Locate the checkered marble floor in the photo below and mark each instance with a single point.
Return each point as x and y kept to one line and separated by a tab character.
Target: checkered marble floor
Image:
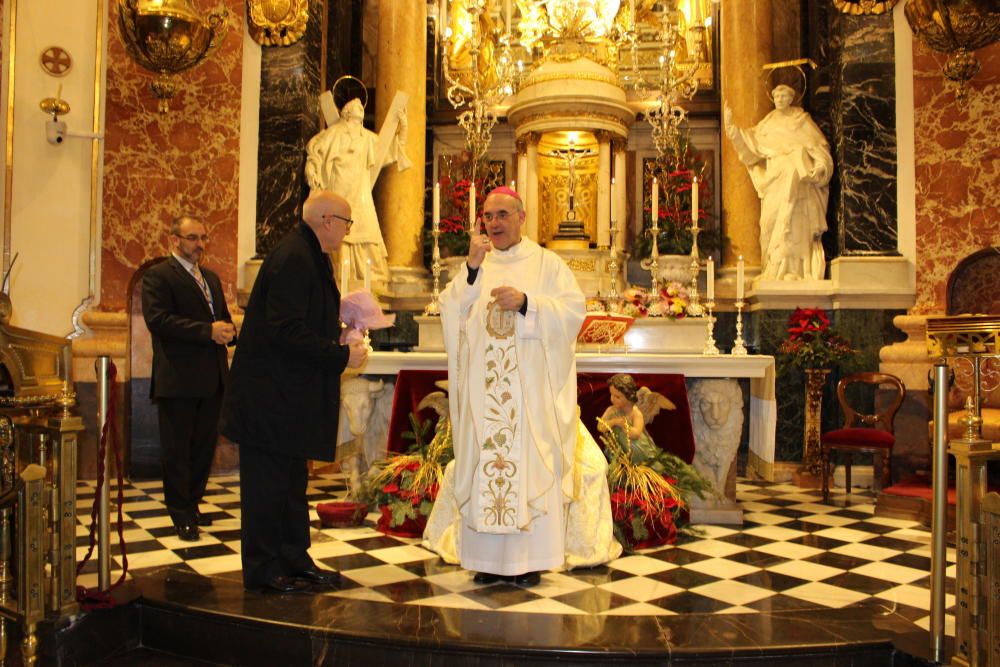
793	553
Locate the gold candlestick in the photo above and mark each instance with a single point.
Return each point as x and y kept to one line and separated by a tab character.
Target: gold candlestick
434	307
739	349
710	348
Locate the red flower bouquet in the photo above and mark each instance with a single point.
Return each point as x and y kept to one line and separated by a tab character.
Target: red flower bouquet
406	486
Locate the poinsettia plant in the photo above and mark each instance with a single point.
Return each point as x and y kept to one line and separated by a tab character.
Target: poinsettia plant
454	228
812	342
675	178
406	485
647	498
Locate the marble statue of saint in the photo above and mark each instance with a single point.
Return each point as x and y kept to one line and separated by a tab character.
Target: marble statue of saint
790	166
346	158
717	419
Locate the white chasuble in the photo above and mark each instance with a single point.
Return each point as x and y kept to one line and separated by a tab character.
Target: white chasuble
512	399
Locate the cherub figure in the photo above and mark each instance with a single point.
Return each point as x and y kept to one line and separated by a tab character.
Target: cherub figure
631	409
438	400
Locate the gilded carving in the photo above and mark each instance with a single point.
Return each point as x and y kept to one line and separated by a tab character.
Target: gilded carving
579	265
579	120
575	76
864	6
277	22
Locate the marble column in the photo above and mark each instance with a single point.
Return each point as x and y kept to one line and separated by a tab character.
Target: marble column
522	166
852	98
401	64
603	189
290	84
746	43
620	207
531	191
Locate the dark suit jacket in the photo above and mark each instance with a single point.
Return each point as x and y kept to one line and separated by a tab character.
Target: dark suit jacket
186	363
284	394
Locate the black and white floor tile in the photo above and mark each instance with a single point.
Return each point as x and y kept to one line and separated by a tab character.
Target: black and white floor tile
793	553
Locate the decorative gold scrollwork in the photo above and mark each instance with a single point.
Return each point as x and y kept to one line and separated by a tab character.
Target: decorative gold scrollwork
864	6
277	22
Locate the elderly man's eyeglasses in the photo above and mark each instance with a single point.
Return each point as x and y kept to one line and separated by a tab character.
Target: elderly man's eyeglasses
347	221
193	237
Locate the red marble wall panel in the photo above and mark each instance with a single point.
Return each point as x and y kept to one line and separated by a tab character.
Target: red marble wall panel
157	166
957	170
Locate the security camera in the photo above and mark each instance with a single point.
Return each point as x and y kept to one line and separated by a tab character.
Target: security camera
55	131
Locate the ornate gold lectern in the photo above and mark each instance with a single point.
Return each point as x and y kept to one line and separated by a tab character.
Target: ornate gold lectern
38	448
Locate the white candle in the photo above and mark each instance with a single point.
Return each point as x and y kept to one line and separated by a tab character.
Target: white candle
436	207
694	200
631	8
507	15
513	186
472	209
345	271
368	275
739	279
656	204
710	271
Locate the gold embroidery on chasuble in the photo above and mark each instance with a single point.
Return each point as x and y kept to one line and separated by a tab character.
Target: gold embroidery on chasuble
499	470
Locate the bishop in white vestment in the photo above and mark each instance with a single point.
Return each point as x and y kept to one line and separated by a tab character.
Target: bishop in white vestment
510	320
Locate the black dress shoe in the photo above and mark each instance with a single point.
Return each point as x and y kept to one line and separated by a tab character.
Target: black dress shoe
486	578
202	519
318	577
528	579
282	584
187	532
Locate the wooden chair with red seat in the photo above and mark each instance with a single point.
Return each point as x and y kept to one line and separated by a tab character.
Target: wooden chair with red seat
862	433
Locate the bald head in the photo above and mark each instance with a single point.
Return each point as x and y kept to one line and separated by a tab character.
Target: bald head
329	216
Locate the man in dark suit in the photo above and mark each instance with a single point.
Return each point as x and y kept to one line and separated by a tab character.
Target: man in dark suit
185	310
283	401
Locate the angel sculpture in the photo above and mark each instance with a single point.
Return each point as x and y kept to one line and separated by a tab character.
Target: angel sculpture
631	409
649	486
438	401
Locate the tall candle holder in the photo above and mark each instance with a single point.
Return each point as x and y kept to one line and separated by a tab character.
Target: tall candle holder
434	307
710	348
654	258
694	308
739	347
613	268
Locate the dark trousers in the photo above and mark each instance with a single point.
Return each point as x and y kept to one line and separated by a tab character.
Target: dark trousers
275	515
189	429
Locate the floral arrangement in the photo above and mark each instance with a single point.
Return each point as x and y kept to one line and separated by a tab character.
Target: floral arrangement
671	301
812	342
647	499
406	485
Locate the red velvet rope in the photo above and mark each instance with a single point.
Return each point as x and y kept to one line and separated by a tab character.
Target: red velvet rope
94	598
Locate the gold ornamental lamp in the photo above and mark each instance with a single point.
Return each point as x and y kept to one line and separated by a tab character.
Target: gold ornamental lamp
956	28
167	37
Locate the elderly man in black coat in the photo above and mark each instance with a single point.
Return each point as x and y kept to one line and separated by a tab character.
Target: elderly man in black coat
185	309
283	399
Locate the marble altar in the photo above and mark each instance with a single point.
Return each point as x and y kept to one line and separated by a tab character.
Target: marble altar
758	369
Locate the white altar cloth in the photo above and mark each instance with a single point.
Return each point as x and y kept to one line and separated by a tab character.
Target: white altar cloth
759	369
